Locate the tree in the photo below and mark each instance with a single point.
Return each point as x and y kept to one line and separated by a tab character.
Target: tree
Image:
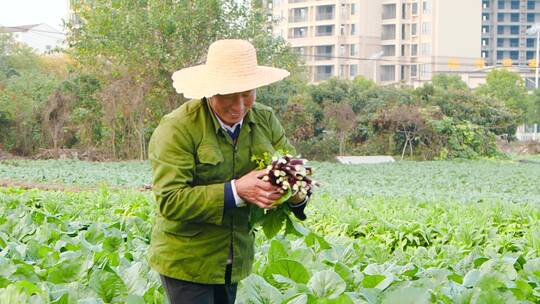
25	85
133	47
15	58
449	82
507	87
533	113
341	119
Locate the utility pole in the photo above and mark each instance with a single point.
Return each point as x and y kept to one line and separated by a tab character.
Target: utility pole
535	29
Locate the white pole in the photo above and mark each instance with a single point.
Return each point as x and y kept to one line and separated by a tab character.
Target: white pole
537	55
375	71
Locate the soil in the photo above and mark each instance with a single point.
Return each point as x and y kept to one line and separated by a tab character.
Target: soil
519	147
78	154
61	187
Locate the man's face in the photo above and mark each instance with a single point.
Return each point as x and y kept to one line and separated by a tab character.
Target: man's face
231	108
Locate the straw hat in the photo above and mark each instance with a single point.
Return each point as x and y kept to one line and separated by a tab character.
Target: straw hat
231	67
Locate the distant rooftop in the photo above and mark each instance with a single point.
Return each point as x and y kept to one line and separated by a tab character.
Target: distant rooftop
24	28
18	28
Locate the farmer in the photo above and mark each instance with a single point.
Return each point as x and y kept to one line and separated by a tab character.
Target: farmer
203	179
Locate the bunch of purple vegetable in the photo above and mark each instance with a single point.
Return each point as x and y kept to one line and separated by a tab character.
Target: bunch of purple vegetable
291	174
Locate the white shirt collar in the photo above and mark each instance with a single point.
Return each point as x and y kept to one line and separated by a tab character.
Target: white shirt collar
225	126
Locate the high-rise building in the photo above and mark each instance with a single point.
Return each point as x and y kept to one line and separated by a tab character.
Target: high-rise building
504	26
334	38
422	37
389	41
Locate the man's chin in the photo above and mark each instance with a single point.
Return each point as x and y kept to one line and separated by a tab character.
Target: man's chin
234	119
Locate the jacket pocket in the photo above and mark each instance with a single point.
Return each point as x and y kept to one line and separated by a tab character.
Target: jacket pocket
209	155
207	169
181	228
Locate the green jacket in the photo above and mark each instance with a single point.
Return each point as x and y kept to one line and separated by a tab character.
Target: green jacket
192	158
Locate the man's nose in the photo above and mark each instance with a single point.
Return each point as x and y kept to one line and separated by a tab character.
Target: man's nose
238	104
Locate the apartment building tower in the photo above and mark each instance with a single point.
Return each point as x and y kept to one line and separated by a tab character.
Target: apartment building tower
389	41
333	37
423	37
504	26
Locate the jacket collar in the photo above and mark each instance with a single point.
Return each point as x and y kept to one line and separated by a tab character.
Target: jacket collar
249	118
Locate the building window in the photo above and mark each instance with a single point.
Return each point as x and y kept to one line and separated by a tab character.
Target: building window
404	11
514	17
325	30
414	70
344	11
514	30
426	7
353	29
323	72
426	28
500	42
389	11
514	42
485	3
388	32
514	55
530	5
342	51
485	42
485	29
425	49
388	73
530	42
514	4
484	54
531	17
354	70
325	12
414	9
426	70
324	52
300	50
530	55
299	32
389	50
500	55
403	50
342	70
354	50
500	29
485	17
299	14
342	29
353	9
403	32
413	29
500	4
500	17
414	49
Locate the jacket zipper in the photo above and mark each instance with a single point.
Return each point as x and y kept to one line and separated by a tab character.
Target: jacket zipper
235	148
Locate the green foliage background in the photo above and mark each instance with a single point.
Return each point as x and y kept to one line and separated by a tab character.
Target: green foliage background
111	86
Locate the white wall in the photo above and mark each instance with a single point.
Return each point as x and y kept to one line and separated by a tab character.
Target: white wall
42	38
458	28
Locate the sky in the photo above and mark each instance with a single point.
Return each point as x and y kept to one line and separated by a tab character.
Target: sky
23	12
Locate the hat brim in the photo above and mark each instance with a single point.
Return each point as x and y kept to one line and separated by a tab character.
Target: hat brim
197	82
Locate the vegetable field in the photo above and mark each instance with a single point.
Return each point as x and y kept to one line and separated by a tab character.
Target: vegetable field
408	232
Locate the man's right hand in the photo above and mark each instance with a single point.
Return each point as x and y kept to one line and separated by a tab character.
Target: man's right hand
253	190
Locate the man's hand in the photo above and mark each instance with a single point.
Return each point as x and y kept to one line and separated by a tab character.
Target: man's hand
253	190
